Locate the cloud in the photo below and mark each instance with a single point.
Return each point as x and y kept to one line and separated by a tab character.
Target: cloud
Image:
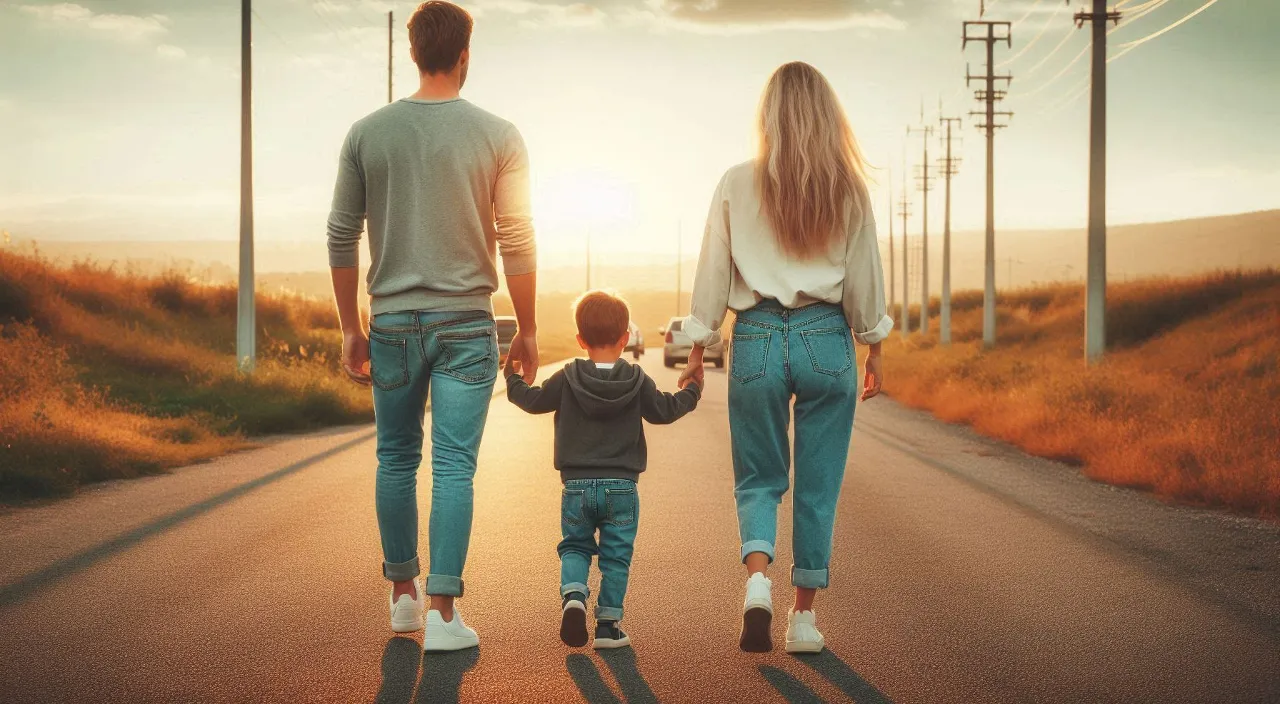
171	52
122	27
538	14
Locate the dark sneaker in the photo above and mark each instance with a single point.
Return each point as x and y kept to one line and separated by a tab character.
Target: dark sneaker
573	620
608	635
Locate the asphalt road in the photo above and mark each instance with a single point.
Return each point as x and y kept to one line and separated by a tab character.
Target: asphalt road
963	571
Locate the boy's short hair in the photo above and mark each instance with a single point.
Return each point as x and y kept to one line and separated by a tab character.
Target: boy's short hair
602	318
439	32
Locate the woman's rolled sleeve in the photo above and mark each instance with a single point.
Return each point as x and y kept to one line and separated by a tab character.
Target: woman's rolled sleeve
863	300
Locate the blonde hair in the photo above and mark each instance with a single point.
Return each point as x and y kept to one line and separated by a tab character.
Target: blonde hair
810	170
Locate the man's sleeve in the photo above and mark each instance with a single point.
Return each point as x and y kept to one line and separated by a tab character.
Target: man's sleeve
512	212
536	399
346	217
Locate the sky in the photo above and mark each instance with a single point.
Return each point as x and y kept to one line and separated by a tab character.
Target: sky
119	119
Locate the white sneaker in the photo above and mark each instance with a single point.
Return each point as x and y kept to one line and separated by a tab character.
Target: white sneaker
406	612
757	615
448	635
803	635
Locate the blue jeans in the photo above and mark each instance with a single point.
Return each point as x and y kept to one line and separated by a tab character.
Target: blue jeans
453	359
611	506
778	354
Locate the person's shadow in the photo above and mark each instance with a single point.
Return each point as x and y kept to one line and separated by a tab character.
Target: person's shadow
622	663
441	673
833	670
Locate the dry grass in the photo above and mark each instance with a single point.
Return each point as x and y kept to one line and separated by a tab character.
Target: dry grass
106	374
1186	403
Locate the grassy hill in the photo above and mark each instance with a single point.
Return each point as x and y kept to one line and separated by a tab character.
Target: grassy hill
1186	403
106	375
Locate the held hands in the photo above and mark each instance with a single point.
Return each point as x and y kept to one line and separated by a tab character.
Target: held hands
874	378
355	356
693	371
523	357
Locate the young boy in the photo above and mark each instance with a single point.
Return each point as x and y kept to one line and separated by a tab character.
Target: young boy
599	404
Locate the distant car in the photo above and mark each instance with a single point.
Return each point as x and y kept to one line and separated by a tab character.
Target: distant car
635	343
678	345
506	326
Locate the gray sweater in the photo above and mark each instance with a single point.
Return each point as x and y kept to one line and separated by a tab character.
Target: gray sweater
444	187
599	414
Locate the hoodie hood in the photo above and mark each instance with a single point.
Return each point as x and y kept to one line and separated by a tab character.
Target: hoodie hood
604	393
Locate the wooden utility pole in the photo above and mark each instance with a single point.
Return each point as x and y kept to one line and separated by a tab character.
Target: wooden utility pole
893	263
390	63
990	96
925	185
950	166
245	317
1095	324
904	209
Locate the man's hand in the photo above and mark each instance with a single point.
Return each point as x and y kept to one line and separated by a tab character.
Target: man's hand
693	371
524	355
874	378
355	356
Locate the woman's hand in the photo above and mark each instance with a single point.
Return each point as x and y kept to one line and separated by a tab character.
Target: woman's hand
693	370
875	377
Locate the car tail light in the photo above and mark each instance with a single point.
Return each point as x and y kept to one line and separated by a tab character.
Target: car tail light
669	337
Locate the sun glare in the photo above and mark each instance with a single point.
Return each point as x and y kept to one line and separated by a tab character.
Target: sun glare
569	203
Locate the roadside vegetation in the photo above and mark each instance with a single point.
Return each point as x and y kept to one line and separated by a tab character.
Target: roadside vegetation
1186	403
105	374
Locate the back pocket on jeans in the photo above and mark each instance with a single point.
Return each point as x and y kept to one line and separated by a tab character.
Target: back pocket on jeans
469	355
750	354
572	510
620	506
388	362
830	350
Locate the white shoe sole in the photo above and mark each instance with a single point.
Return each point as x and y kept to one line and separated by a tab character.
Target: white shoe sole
406	625
610	643
443	644
805	646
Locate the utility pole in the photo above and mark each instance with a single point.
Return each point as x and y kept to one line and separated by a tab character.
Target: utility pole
904	209
1095	326
893	263
950	166
926	185
245	318
989	95
390	63
679	263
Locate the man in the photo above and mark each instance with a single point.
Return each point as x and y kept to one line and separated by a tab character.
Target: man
442	185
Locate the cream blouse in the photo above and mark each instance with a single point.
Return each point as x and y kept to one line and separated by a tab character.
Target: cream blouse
741	264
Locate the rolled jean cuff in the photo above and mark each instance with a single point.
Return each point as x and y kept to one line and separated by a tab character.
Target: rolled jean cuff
575	587
401	571
608	613
809	579
444	585
763	546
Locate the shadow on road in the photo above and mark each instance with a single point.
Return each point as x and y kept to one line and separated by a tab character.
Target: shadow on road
441	673
622	663
11	594
833	670
400	660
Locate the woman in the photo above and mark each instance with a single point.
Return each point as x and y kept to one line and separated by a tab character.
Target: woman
791	246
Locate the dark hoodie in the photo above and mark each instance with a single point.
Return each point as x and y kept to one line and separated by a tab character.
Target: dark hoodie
599	433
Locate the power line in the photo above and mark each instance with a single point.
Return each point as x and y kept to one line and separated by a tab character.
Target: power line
1045	59
1027	14
1130	46
1060	73
1045	28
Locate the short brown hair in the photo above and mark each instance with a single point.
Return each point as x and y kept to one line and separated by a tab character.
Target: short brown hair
439	32
602	318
